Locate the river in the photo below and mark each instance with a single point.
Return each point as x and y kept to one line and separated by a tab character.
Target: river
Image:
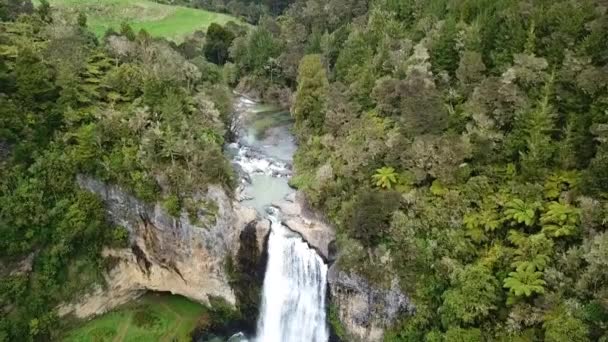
293	297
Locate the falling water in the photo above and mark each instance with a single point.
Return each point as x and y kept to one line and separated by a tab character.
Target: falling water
293	298
293	302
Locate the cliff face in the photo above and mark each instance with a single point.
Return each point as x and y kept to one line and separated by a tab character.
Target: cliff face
167	253
296	216
174	255
364	310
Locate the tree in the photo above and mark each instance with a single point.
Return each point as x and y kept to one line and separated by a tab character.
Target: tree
525	282
414	102
82	20
385	177
539	126
372	214
519	211
458	334
561	325
127	31
444	53
595	178
251	53
470	70
560	219
312	96
473	295
44	11
217	43
12	9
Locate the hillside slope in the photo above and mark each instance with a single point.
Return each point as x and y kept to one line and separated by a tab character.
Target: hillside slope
171	22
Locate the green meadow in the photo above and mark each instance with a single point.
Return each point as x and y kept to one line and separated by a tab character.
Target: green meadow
172	22
154	317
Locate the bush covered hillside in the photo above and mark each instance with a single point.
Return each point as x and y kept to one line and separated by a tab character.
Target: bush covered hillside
129	110
461	147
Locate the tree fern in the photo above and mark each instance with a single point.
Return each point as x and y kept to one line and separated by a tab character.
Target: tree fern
559	182
525	282
520	212
560	220
385	177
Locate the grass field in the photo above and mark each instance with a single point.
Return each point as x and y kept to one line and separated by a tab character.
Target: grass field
172	22
154	317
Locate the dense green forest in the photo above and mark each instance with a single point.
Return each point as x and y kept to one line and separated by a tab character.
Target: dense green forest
460	147
128	109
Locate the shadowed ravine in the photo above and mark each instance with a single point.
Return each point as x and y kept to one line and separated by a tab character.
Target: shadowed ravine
294	291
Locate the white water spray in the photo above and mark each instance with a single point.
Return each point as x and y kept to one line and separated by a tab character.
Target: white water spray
293	297
293	302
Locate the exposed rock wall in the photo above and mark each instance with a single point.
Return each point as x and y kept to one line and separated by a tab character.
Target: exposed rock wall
296	216
168	254
365	311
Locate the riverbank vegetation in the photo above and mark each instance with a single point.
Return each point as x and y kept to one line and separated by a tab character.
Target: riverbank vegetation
459	147
128	109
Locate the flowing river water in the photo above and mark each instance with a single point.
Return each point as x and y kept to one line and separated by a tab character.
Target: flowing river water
293	296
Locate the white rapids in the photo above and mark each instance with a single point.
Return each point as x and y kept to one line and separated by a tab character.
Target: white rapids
293	296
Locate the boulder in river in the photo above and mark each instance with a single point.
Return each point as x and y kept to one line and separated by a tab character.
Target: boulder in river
296	216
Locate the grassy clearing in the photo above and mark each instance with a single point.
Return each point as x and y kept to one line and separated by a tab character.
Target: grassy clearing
154	317
171	22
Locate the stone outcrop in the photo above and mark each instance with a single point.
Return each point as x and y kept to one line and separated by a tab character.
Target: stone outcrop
167	253
296	216
364	310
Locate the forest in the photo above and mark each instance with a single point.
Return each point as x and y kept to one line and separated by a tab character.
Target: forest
127	109
460	148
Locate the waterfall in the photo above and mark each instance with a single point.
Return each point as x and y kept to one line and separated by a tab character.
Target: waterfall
293	302
293	295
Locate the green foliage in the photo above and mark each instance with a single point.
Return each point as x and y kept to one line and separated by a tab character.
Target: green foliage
74	109
127	31
385	177
560	220
145	318
371	216
335	323
312	96
458	334
444	53
561	325
492	118
473	296
558	183
520	212
82	20
525	282
173	206
217	42
253	52
176	23
152	317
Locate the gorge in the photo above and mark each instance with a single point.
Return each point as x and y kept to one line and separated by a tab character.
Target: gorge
187	256
294	291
